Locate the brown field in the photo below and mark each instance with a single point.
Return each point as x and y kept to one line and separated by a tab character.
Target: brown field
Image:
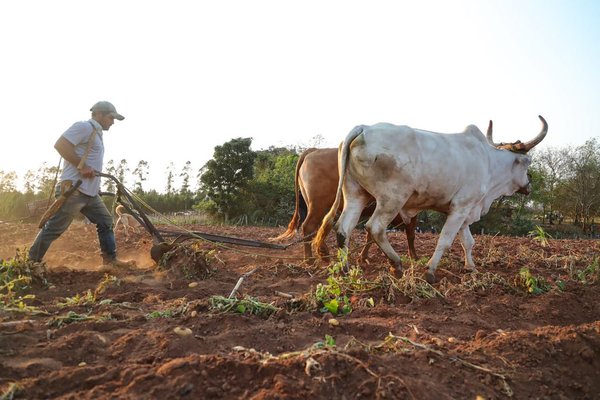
479	335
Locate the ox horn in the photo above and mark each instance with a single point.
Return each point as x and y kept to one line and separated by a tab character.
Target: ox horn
489	135
531	144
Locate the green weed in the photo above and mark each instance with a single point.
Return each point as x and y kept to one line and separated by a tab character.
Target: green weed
160	314
540	235
532	284
107	281
334	295
79	300
241	306
590	274
16	277
72	316
328	342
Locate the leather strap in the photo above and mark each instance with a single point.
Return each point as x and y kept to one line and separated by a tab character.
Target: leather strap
88	148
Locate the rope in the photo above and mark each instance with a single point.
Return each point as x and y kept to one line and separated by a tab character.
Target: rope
171	223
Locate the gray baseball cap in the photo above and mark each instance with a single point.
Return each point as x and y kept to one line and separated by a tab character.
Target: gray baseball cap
107	107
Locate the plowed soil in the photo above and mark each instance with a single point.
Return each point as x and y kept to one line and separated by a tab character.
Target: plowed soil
479	335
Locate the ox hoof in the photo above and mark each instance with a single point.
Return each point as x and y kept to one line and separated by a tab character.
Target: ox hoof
430	277
310	261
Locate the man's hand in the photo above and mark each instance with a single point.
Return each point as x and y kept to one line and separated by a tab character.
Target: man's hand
87	172
67	150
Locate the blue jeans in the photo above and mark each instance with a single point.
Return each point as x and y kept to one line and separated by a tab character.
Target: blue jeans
90	206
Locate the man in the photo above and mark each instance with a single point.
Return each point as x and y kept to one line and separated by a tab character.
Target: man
82	148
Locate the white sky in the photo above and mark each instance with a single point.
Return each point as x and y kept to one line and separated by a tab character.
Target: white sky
191	75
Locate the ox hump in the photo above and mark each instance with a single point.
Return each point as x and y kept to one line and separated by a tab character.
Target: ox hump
474	132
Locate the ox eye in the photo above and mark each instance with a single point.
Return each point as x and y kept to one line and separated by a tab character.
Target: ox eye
526	161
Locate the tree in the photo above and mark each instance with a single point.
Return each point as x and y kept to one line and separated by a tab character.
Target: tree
225	178
581	188
185	192
272	189
121	170
185	177
550	166
109	184
8	181
170	178
46	179
315	141
29	182
140	173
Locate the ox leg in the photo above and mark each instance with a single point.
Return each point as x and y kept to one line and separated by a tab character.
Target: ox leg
346	223
453	223
308	257
377	226
309	228
355	200
348	220
468	242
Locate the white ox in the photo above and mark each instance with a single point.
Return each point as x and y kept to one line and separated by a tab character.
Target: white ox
408	170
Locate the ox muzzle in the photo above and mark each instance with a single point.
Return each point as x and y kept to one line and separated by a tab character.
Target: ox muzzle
527	188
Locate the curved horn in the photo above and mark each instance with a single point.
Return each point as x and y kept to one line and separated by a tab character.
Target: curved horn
489	135
531	144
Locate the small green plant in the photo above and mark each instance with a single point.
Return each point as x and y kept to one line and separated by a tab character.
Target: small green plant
561	285
540	235
160	314
16	276
79	300
328	342
72	316
532	284
107	281
590	274
247	304
333	295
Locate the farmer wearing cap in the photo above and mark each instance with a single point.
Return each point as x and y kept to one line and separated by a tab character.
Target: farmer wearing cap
82	148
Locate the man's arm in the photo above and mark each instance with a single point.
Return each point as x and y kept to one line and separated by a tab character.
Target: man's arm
67	150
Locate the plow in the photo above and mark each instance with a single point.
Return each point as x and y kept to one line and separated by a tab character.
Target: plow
165	240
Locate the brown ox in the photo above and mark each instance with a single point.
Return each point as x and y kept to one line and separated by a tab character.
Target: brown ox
315	184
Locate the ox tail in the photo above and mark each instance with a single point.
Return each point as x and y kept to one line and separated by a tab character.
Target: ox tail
301	208
327	224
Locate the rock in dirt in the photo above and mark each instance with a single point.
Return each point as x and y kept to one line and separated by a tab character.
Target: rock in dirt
182	331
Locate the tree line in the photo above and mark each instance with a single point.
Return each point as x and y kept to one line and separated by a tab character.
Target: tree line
240	185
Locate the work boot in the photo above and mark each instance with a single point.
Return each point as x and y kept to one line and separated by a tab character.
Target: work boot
114	265
38	271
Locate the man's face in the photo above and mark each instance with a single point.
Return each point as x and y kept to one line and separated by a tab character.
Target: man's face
106	121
